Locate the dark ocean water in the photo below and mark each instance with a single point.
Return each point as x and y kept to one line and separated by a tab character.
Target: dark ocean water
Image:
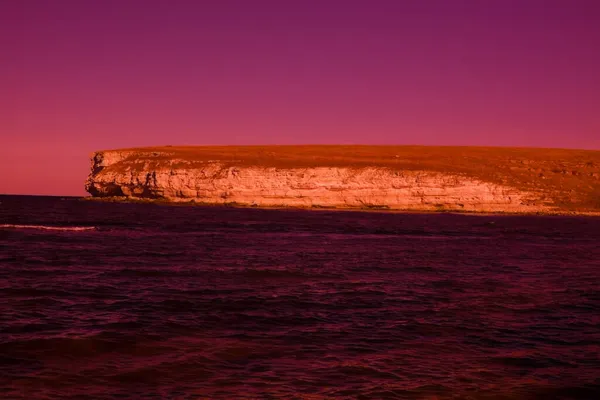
197	302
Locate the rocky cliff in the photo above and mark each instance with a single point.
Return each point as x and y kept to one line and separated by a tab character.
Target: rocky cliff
402	178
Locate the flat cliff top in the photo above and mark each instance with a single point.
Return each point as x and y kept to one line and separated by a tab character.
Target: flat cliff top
570	177
407	157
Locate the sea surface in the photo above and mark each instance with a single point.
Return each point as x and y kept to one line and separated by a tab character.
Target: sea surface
107	300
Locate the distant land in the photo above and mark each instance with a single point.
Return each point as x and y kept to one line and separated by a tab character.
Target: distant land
406	178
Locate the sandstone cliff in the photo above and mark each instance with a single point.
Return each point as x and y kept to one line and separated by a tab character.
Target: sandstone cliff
379	177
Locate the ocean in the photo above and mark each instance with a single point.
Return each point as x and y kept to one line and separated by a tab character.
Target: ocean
112	300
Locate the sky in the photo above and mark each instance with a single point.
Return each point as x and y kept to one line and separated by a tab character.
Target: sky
78	76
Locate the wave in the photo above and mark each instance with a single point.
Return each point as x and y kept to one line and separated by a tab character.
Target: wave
47	227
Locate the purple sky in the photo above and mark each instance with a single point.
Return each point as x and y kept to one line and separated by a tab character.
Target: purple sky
83	75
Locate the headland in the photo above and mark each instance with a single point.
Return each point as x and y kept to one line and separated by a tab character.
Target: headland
394	178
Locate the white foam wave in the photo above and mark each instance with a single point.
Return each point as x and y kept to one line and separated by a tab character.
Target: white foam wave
48	228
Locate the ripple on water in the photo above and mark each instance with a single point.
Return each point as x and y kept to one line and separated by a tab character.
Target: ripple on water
223	303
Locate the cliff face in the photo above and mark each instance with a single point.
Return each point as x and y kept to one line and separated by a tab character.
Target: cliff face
403	178
161	175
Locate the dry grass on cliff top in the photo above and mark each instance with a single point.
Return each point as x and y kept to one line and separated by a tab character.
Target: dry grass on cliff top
569	178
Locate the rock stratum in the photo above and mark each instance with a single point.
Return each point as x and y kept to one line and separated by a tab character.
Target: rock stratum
470	179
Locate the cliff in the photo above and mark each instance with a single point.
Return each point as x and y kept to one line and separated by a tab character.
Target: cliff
378	177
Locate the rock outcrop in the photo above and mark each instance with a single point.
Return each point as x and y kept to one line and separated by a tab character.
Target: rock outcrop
271	177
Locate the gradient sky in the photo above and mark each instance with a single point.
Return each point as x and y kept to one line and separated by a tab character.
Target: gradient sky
83	75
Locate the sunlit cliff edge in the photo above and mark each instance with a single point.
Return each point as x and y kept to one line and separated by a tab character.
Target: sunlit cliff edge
420	178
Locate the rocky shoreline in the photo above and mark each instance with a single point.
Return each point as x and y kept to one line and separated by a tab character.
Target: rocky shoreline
365	181
193	203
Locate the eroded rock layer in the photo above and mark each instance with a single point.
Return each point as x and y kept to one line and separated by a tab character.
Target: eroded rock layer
162	174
